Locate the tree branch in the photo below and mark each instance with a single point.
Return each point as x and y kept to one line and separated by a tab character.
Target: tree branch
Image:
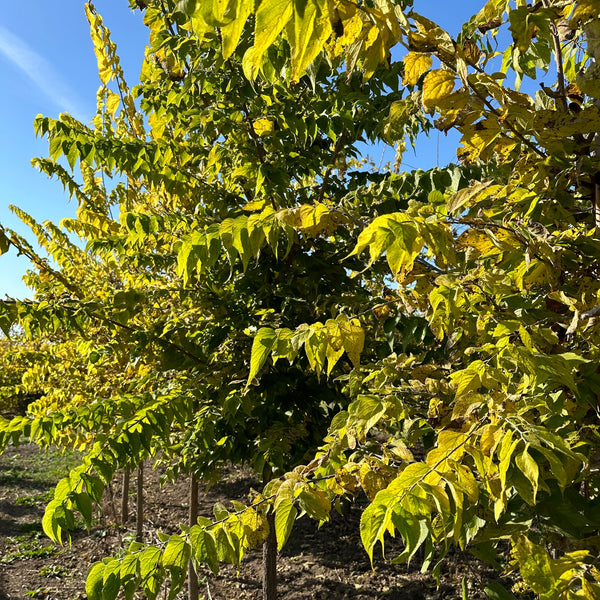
336	150
560	74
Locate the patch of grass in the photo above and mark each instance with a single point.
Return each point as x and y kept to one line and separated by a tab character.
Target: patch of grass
40	592
37	470
53	571
35	500
24	547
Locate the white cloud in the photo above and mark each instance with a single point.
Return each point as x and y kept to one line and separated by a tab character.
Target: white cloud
39	71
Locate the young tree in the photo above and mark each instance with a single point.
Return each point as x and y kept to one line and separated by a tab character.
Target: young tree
447	317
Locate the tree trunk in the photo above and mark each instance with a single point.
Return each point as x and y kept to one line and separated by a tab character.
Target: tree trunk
125	496
193	517
270	560
140	503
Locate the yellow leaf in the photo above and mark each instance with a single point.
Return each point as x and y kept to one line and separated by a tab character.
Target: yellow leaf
231	32
255	528
353	339
254	205
315	502
557	125
271	17
529	468
415	64
312	27
100	40
478	241
263	126
586	9
492	11
157	125
479	140
112	103
334	349
348	478
374	478
311	219
438	85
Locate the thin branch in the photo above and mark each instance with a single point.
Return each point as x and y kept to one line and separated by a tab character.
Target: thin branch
336	150
506	122
260	151
105	320
596	179
491	107
560	73
41	264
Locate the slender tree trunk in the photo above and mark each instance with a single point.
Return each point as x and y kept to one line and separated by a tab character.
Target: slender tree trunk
140	503
125	496
111	500
596	180
193	517
270	560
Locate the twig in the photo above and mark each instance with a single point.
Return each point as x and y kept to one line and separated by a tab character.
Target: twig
41	263
330	167
104	319
560	74
260	151
596	179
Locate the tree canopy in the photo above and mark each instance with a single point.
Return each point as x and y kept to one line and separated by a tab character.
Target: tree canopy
246	287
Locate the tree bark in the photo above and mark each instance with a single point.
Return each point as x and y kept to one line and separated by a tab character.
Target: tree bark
193	517
270	560
596	180
125	496
140	503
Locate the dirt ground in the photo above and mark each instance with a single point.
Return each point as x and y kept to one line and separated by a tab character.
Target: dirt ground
316	564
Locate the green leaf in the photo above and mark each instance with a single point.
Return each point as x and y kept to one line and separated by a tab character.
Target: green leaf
129	567
177	553
83	503
263	343
187	6
271	17
526	25
495	591
232	32
4	243
50	523
311	28
204	548
285	517
111	581
378	517
414	532
94	581
367	410
535	565
226	545
469	379
149	561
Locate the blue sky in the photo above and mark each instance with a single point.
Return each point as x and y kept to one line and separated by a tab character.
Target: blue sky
47	66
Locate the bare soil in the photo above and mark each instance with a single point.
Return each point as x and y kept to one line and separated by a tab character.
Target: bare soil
325	563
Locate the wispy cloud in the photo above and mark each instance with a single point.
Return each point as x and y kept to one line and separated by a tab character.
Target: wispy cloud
39	71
